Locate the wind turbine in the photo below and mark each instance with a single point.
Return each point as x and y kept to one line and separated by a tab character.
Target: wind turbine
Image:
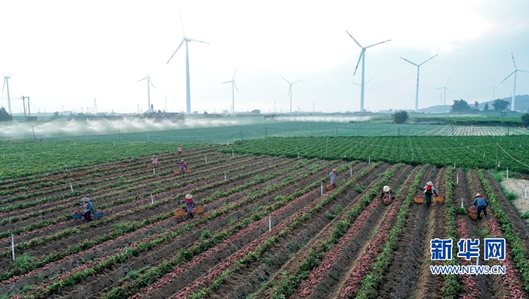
148	91
445	89
232	91
515	72
362	57
186	40
417	89
290	91
493	89
6	83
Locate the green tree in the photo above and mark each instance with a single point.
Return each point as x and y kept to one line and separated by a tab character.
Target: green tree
525	120
460	106
476	104
486	107
500	105
400	116
4	116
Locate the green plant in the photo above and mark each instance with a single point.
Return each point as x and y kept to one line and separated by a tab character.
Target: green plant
205	235
329	215
23	262
461	211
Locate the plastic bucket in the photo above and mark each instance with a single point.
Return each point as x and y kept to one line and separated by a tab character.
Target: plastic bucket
99	214
77	216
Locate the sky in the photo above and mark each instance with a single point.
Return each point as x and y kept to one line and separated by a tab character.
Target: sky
65	54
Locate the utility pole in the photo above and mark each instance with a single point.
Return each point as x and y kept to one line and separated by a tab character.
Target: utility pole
29	109
24	104
95	106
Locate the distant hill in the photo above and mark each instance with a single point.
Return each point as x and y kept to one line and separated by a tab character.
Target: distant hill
522	104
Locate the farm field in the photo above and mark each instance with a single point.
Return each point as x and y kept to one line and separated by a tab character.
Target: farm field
269	230
509	152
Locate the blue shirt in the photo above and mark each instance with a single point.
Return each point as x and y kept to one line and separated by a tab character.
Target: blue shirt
480	202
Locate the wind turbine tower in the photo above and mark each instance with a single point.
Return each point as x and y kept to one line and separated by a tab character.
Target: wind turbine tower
6	84
362	57
186	40
445	89
148	91
417	89
493	89
95	106
515	72
290	91
233	86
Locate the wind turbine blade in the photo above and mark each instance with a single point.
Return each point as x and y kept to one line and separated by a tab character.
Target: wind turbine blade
354	39
368	81
142	79
513	61
296	82
356	84
428	59
447	81
235	86
408	61
523	71
4	85
196	40
378	43
233	78
226	82
182	24
449	90
151	84
508	76
440	88
181	43
285	80
359	58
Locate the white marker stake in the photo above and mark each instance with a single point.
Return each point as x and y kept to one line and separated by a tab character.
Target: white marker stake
269	223
507	173
232	154
321	188
225	175
351	170
369	161
13	246
454	164
461	202
298	155
206	157
525	191
457	178
71	186
153	169
152	199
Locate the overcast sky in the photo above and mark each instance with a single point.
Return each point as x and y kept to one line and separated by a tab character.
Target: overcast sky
63	54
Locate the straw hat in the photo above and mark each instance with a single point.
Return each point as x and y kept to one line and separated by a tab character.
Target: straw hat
429	183
189	196
182	160
334	170
85	199
386	188
477	195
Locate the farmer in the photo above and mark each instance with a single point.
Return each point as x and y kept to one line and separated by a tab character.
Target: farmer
481	205
428	191
190	205
154	160
179	149
87	208
332	175
183	166
387	192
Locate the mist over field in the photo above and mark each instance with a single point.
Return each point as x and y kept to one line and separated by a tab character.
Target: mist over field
61	128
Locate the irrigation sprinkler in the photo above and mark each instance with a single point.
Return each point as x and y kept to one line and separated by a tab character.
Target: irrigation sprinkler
13	246
152	199
71	186
270	222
